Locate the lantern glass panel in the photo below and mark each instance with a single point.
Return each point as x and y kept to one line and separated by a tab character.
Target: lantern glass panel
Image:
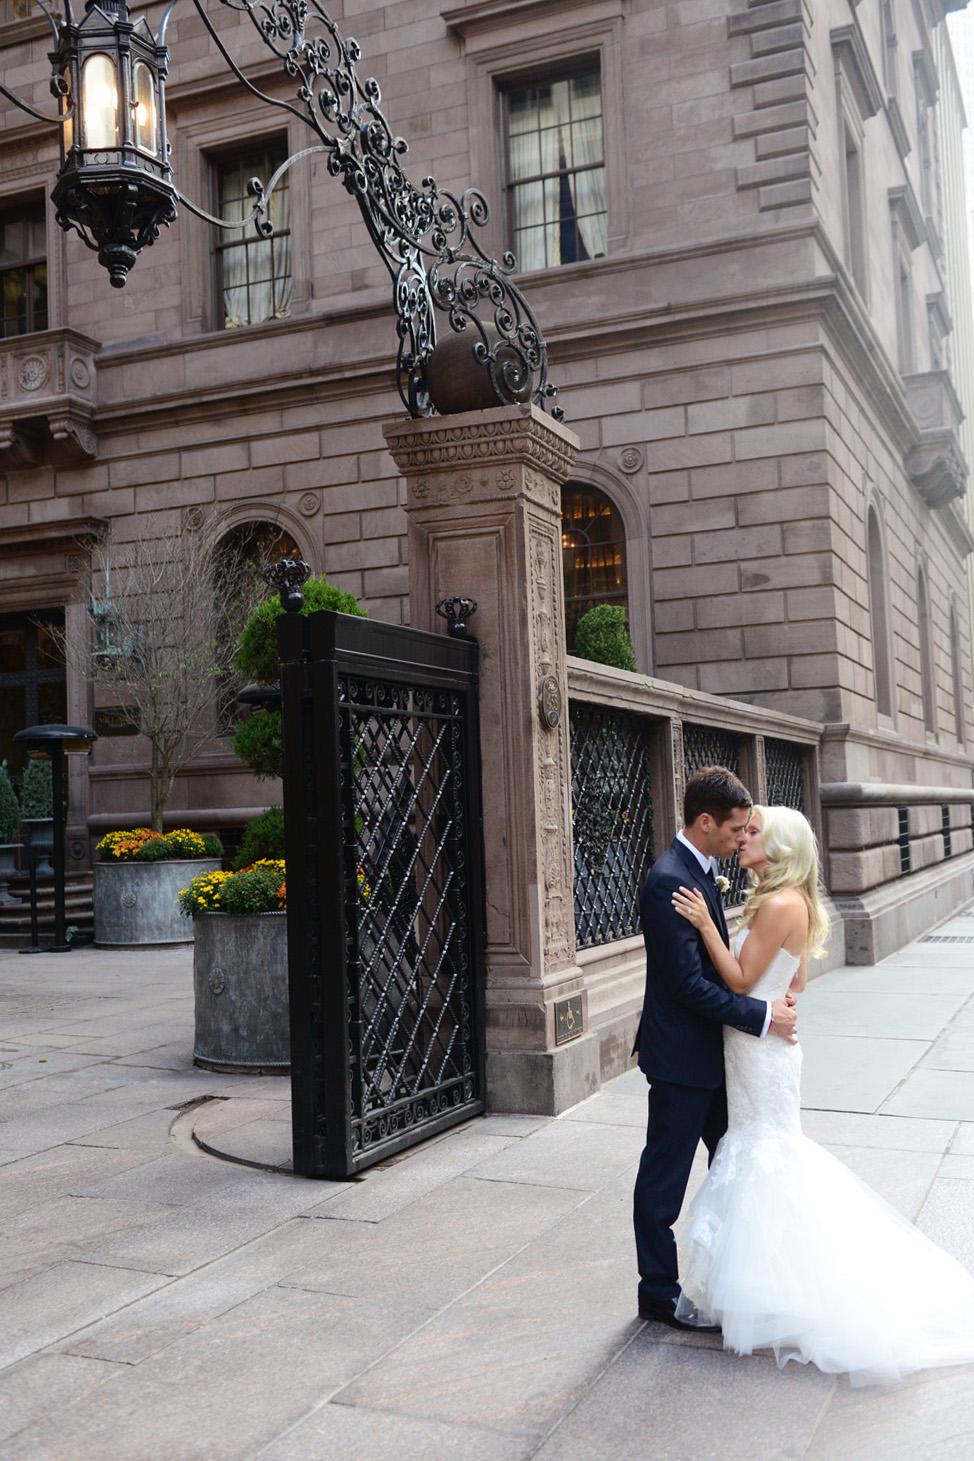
67	126
100	94
144	108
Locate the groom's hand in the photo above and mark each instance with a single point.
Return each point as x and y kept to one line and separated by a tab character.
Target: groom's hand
784	1019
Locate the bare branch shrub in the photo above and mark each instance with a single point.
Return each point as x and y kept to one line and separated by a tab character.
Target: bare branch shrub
166	617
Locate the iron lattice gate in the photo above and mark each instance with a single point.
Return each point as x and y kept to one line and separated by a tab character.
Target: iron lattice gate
385	887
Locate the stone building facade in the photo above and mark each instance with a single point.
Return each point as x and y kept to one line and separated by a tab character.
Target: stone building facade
738	225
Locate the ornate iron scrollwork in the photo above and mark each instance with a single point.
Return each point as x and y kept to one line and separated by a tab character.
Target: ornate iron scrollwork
288	576
456	612
426	236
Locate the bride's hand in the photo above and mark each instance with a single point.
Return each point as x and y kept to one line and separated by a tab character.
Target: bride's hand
691	903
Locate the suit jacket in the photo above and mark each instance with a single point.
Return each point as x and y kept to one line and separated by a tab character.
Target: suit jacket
680	1038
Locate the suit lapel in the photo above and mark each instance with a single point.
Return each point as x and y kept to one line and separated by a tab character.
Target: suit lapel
706	887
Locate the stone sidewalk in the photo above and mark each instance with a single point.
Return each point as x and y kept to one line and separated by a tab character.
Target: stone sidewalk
470	1301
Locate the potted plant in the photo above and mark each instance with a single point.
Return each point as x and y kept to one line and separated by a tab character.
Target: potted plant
37	814
240	968
137	876
9	827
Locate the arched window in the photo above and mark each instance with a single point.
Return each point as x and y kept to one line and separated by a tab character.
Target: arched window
879	615
593	552
239	562
927	682
956	665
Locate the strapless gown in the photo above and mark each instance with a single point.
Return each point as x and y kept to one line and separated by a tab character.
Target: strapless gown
789	1250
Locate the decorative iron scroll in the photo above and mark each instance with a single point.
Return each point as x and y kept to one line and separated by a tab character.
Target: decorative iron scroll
612	822
426	236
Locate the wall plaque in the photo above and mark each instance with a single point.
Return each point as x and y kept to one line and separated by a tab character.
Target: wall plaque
568	1019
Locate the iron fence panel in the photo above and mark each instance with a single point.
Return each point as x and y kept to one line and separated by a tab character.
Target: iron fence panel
784	773
612	820
385	929
707	745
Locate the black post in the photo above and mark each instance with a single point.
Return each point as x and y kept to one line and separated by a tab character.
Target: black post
35	947
60	945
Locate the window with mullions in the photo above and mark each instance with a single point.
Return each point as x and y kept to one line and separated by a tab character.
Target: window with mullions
23	271
253	273
556	170
593	551
32	679
11	10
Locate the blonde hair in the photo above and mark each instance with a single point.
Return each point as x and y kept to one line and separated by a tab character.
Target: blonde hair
792	852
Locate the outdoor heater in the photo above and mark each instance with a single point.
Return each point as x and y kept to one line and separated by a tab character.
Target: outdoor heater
55	742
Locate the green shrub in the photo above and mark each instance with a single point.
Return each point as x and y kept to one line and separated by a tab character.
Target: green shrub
9	808
263	838
37	789
603	636
257	741
257	651
212	846
255	891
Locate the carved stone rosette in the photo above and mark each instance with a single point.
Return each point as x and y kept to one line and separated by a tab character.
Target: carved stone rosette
48	393
483	499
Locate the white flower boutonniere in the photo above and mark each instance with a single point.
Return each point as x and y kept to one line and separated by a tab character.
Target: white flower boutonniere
722	883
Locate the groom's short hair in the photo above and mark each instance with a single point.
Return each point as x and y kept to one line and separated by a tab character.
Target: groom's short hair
715	790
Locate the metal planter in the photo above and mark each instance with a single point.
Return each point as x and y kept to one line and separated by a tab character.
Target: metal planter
241	994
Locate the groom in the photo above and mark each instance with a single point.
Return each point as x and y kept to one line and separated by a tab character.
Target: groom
680	1037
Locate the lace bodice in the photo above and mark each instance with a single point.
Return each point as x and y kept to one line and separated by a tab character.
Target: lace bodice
763	1075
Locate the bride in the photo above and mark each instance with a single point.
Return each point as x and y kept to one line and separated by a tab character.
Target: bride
788	1249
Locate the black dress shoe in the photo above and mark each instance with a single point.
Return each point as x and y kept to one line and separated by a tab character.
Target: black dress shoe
663	1311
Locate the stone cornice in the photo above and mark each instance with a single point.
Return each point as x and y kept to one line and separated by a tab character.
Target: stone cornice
70	530
485	15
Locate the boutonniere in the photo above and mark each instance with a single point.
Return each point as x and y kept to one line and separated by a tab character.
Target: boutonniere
722	883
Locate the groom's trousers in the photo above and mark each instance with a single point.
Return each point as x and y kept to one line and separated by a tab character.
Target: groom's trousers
679	1118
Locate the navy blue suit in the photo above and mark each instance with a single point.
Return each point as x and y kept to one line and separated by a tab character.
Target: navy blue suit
681	1052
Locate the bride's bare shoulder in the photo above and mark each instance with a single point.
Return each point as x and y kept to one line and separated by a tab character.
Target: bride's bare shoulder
784	908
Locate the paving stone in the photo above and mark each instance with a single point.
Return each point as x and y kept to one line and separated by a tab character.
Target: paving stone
902	1178
963	1143
477	1226
229	1388
345	1430
268	1143
947	1217
41	1309
889	1017
512	1352
682	1401
843	1073
220	1116
929	1093
926	1417
42	1383
894	1133
892	978
957	1166
612	1108
382	1191
33	1179
568	1154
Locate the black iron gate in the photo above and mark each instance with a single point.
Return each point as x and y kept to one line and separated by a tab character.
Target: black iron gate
385	887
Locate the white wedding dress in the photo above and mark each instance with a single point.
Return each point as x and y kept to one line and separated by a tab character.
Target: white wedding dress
789	1250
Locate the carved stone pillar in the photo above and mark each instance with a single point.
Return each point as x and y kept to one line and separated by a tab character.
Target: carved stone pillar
484	509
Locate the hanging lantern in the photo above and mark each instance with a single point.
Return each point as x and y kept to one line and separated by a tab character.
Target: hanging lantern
115	184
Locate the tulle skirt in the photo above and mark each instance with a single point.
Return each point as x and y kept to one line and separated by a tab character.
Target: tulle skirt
790	1251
